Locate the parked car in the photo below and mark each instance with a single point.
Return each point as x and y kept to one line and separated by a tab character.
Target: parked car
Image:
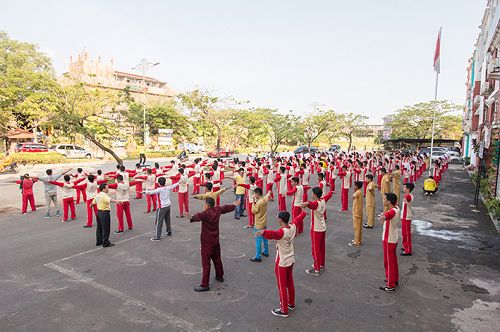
191	147
31	147
334	148
452	159
305	149
71	151
221	153
427	150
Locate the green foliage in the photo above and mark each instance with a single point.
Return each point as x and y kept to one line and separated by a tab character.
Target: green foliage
493	206
351	123
154	154
39	157
416	121
165	116
27	80
319	123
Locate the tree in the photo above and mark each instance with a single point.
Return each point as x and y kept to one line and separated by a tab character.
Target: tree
93	113
350	124
416	121
27	81
315	124
213	110
157	117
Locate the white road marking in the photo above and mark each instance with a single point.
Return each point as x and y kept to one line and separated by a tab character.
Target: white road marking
178	322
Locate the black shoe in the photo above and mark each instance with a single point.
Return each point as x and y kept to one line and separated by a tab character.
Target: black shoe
201	288
169	234
397	282
405	254
387	289
130	229
243	215
108	245
265	255
291	307
366	226
118	232
279	313
219	279
402	249
87	226
257	260
237	218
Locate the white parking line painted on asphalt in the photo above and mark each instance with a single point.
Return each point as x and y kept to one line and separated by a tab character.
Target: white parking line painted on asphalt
169	318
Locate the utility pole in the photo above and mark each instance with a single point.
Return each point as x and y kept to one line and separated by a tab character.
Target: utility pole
144	66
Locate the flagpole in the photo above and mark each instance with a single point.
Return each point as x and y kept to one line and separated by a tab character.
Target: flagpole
433	120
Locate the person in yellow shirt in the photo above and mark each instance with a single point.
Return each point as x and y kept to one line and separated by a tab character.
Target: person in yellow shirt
240	194
357	213
210	193
259	209
385	186
103	216
430	186
370	202
396	180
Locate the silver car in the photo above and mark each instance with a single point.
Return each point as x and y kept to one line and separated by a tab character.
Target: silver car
71	151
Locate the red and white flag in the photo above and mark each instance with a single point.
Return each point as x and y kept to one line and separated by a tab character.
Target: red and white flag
437	54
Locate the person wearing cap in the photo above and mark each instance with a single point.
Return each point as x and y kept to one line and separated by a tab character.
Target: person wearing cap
285	258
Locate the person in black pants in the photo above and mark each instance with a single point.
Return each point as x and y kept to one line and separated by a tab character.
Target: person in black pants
103	216
142	156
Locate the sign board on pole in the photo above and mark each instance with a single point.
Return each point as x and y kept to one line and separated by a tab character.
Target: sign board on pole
481	150
165	137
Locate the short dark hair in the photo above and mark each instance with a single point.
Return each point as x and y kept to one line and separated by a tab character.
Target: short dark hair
369	176
258	191
119	177
321	175
383	170
162	181
358	184
67	177
122	168
241	169
102	186
284	216
317	191
79	170
252	179
181	170
391	197
99	172
295	179
91	178
282	169
48	172
209	186
210	202
410	186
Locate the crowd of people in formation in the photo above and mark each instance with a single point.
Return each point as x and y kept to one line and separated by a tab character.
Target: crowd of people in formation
256	182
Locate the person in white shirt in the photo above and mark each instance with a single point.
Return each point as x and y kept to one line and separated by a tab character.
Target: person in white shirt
163	213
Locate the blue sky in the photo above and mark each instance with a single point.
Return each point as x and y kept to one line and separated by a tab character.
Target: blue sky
364	56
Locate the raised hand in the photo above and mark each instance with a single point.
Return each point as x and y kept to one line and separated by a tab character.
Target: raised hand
258	233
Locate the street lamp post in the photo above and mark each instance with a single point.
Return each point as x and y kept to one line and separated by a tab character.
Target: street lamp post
144	66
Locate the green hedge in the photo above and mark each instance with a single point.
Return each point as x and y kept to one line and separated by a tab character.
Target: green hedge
154	154
39	157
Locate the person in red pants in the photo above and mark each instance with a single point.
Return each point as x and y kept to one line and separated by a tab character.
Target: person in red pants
390	242
285	258
209	238
26	186
80	192
318	229
122	195
251	199
406	216
297	192
183	192
67	194
269	181
281	179
150	184
345	183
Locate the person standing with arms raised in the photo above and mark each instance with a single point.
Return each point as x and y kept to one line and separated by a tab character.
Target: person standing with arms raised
163	213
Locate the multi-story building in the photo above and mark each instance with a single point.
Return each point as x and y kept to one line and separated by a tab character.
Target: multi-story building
481	120
95	73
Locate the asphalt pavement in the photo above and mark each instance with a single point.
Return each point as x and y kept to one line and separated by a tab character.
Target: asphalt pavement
53	278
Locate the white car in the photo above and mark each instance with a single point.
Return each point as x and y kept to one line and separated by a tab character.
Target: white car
191	147
71	151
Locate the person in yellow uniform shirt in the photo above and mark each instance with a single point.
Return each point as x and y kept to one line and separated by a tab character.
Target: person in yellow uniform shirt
259	209
370	202
396	180
357	213
430	186
210	193
240	194
385	185
103	216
